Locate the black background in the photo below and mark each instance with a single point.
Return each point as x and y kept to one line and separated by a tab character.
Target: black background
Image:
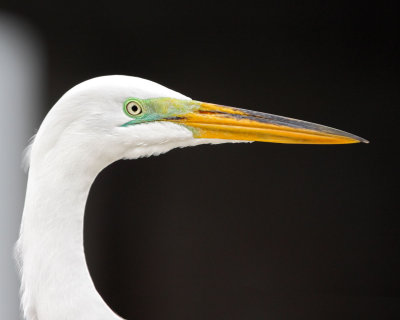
244	231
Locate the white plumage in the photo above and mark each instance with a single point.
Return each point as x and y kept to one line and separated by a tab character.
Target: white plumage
80	136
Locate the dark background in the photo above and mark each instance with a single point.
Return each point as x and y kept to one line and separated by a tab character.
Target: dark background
248	231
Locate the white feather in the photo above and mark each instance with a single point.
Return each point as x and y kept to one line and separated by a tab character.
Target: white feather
80	136
26	158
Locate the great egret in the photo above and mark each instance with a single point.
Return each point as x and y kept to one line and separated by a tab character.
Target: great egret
94	124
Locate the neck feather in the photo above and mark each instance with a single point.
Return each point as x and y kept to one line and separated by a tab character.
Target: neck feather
56	283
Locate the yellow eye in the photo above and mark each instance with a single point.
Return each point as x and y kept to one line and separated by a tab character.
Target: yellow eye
133	108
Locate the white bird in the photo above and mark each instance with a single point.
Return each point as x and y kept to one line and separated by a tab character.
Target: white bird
94	124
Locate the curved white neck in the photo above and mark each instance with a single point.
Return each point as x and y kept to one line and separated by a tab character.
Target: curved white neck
56	283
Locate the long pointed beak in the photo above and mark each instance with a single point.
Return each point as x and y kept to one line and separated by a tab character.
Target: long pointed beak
213	121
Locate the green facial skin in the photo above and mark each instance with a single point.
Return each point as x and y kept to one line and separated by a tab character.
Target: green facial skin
159	109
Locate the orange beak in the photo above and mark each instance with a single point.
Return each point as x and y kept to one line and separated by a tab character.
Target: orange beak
211	121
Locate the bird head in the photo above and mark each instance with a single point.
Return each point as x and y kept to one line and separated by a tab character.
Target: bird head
129	117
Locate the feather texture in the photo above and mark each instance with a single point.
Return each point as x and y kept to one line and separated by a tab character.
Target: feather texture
81	135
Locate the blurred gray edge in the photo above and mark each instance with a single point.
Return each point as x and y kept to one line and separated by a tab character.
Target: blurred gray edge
21	94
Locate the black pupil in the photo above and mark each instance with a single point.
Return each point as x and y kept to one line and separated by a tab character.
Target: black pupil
134	108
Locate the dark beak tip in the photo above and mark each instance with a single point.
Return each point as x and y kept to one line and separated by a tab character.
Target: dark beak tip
362	140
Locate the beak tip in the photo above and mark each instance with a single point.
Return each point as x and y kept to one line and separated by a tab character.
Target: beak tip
362	140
